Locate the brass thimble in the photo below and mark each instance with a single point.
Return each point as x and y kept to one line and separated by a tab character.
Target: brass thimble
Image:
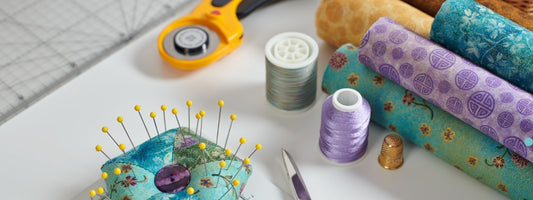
391	152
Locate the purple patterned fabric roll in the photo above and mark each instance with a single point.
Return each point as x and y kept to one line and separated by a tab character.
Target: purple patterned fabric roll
470	93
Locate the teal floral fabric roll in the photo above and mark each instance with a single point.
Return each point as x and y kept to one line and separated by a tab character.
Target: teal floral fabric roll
486	39
431	128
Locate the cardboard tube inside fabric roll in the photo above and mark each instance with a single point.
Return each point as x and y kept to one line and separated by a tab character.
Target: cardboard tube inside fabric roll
342	21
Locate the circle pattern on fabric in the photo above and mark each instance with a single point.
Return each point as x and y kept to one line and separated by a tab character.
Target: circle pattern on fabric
423	83
489	131
526	125
524	106
389	72
398	36
516	144
421	40
379	48
505	119
455	105
493	82
365	39
466	79
406	70
441	59
366	61
381	28
481	104
397	53
506	97
419	53
444	86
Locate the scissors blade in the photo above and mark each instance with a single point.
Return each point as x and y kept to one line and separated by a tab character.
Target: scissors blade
298	187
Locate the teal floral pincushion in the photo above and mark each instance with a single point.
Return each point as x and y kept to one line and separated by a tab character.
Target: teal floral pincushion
178	151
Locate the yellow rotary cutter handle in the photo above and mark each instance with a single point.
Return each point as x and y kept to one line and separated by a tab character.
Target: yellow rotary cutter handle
211	31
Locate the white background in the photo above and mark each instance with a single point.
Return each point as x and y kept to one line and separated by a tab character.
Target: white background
47	151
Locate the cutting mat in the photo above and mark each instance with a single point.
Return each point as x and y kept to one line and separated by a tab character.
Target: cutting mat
45	43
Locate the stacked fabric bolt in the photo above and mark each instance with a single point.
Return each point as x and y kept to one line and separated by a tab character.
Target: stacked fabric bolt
503	8
486	39
430	127
524	5
468	92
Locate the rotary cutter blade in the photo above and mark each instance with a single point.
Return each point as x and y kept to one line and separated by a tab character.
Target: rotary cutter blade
211	31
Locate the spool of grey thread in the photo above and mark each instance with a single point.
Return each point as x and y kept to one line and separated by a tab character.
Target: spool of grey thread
291	60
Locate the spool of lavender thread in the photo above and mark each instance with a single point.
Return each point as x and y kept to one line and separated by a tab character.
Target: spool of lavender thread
344	126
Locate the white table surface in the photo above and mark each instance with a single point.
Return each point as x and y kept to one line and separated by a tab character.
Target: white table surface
47	151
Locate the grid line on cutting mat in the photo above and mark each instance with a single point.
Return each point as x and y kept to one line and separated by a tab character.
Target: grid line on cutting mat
44	43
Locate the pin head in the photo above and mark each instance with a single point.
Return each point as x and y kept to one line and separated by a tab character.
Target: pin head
202	113
122	147
189	103
222	164
198	116
202	146
233	117
220	103
120	119
92	193
227	152
137	108
105	129
100	190
242	140
98	148
117	171
190	190
246	161
163	107
258	146
236	182
104	175
174	111
152	114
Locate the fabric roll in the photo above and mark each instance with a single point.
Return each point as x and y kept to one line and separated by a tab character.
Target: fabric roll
429	7
524	5
343	21
487	39
431	128
505	9
470	93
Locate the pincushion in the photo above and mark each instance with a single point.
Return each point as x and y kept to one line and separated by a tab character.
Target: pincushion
164	166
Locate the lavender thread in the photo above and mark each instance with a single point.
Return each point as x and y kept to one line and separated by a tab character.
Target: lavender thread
344	135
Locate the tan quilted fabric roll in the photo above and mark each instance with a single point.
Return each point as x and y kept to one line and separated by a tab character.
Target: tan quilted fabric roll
431	7
346	21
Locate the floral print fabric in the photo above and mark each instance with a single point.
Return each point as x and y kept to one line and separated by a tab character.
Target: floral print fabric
435	130
136	180
470	93
486	39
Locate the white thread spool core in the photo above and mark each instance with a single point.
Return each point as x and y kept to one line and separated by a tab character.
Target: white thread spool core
347	100
291	50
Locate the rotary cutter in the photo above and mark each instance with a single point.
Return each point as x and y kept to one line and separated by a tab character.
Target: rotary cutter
211	31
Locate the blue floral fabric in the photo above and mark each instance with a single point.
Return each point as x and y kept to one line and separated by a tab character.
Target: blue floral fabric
486	39
430	127
140	167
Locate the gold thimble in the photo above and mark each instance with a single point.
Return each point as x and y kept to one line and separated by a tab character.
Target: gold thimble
391	152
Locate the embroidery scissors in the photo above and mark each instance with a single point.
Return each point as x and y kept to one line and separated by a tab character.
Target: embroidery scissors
299	191
211	31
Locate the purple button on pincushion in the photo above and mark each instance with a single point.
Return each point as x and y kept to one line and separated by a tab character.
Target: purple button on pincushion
172	178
